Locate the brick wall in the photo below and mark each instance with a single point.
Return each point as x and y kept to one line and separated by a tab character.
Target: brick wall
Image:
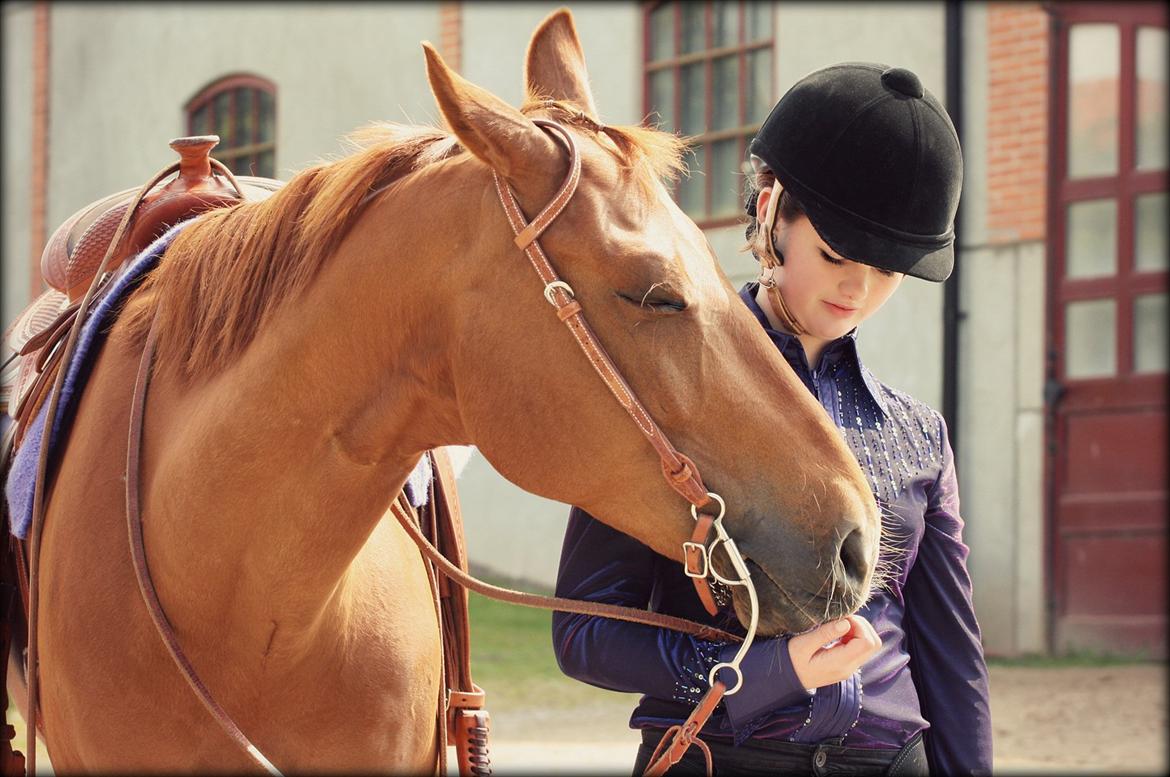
451	33
1017	129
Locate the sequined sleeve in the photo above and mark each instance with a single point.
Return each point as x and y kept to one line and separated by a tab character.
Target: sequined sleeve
603	565
946	652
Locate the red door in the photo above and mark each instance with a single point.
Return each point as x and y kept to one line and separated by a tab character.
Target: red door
1106	459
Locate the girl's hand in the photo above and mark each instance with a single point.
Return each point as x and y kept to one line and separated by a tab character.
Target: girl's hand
832	651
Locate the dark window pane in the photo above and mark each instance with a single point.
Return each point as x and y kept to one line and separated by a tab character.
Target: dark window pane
693	93
726	178
267	118
266	164
694	37
662	98
725	23
758	89
223	119
662	32
757	21
236	164
246	123
691	189
201	121
725	92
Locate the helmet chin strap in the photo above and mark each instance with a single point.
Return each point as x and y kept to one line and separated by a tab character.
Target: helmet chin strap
769	261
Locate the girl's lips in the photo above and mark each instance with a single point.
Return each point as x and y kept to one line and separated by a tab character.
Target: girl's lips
839	310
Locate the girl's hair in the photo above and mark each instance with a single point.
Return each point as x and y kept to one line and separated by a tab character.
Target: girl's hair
788	209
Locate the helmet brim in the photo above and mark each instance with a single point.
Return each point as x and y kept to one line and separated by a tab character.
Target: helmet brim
930	257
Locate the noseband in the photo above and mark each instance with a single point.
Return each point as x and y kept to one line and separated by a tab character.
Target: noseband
680	472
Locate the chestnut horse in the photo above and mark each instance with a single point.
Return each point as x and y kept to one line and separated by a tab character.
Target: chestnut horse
313	345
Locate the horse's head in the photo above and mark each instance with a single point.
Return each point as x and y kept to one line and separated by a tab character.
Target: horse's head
797	503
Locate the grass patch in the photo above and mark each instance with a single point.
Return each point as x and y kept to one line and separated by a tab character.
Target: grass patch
512	658
1076	658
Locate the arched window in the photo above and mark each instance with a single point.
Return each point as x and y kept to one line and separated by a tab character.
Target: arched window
241	109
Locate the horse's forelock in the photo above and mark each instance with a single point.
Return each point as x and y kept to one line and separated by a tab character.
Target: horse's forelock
650	154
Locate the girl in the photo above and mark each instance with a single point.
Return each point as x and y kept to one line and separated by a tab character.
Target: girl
857	177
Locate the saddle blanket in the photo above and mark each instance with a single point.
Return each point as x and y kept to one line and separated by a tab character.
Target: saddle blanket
21	482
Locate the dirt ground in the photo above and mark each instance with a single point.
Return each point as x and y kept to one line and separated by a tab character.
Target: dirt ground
1063	720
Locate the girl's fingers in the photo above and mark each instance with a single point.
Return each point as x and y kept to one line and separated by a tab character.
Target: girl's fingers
812	641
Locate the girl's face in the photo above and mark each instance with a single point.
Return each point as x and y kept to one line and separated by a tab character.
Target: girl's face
828	294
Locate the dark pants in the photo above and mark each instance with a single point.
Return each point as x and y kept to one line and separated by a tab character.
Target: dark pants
762	757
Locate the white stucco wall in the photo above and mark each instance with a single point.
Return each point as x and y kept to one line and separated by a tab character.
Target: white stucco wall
1001	406
1001	448
335	67
17	139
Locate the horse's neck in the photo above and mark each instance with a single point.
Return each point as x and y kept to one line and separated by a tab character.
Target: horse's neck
275	473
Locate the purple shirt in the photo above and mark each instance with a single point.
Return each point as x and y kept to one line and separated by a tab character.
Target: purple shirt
922	613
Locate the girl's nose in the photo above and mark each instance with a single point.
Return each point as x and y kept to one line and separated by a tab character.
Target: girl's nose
855	284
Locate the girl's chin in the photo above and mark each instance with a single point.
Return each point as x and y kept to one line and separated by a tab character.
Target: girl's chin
829	332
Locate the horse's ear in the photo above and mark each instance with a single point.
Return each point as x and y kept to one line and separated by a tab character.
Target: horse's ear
555	64
488	127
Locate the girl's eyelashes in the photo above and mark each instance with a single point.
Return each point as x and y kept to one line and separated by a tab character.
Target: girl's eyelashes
834	260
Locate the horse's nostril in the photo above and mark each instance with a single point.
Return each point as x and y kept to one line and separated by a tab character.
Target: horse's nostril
853	559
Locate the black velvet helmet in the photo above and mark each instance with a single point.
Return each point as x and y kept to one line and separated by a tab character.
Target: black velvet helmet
875	162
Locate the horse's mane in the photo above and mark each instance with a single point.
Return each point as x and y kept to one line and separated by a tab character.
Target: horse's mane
226	273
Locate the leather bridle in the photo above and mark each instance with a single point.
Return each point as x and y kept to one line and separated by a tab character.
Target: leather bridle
679	471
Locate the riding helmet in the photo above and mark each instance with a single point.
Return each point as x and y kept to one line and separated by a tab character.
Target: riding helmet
875	162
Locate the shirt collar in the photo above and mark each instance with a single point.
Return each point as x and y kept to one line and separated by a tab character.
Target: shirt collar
843	348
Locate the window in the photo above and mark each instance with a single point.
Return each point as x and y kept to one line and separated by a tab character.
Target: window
240	109
1110	198
708	77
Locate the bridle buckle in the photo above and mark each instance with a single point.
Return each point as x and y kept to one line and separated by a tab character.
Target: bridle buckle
694	554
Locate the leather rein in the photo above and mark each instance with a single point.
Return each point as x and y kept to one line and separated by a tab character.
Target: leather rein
679	471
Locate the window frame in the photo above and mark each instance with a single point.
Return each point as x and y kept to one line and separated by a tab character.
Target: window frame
228	151
1123	186
703	142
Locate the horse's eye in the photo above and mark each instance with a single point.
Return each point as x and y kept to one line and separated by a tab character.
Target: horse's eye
655	302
